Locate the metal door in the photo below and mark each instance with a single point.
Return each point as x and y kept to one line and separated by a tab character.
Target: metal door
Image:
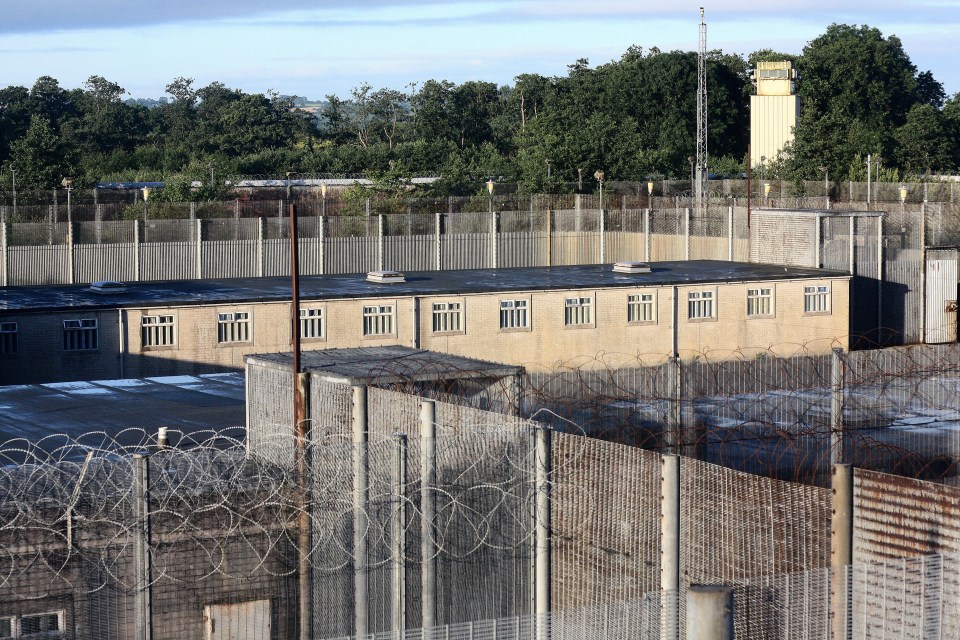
941	319
238	621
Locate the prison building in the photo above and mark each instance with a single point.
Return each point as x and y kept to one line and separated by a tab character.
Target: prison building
540	318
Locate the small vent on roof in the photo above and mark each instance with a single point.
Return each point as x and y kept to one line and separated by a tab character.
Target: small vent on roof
385	276
632	267
108	286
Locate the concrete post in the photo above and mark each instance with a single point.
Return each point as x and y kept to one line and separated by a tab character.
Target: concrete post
841	551
549	234
360	504
193	210
5	265
646	235
673	441
428	510
730	234
199	249
817	241
136	250
259	247
322	246
852	249
670	545
880	279
143	602
686	233
603	237
380	225
837	371
495	239
400	533
709	612
578	212
542	524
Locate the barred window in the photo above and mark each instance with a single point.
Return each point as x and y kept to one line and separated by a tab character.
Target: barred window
6	628
700	305
760	302
311	324
447	317
233	327
8	341
38	625
80	335
577	311
514	314
816	299
640	308
157	331
378	320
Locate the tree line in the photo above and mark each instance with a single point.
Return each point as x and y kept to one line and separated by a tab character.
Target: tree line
634	118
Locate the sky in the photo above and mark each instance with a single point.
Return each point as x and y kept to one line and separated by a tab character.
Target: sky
313	48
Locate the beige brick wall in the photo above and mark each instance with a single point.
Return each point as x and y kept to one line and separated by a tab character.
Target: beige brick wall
548	343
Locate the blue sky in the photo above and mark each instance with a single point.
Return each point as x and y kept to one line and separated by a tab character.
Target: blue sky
314	48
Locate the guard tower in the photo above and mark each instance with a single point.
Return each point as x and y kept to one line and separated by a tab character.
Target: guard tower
773	110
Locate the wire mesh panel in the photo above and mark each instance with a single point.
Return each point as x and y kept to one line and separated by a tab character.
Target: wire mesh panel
710	234
668	239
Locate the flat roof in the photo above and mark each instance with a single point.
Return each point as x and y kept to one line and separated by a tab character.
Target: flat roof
386	365
122	409
178	293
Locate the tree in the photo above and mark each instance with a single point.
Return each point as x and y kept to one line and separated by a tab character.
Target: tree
923	141
40	156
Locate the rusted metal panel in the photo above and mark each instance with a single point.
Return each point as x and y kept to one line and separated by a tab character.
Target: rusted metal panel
897	517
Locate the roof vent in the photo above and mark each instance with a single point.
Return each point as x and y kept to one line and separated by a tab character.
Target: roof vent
108	286
385	276
631	267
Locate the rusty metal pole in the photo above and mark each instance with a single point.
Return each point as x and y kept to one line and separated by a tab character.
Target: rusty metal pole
301	438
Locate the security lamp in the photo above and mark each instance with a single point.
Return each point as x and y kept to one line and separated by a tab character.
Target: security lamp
766	188
650	188
903	193
599	176
490	184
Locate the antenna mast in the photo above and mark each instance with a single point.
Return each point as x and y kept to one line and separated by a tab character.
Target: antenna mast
700	189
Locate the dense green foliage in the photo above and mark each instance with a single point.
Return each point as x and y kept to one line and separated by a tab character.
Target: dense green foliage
634	118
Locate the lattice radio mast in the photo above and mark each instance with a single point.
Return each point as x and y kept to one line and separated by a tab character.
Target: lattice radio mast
700	188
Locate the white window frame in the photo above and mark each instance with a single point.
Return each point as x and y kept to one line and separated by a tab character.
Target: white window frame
16	626
380	320
702	305
578	311
313	323
817	299
234	327
761	302
81	334
642	307
158	330
9	338
515	314
447	316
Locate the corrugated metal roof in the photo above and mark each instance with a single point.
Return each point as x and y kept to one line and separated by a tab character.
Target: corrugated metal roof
248	290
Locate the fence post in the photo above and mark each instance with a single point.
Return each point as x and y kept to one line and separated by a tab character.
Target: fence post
438	245
360	517
143	605
603	237
380	242
542	540
709	612
495	239
880	276
322	245
646	235
549	235
199	249
428	545
851	266
400	534
259	246
686	233
841	551
730	234
670	545
673	440
71	257
837	370
136	250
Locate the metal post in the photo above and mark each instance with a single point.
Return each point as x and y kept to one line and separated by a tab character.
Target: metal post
199	249
360	518
686	233
438	244
3	248
495	239
730	234
709	612
672	437
136	251
817	241
837	371
400	534
549	236
260	247
143	604
603	237
428	508
670	544
923	273
841	550
869	171
380	227
646	235
852	264
880	276
542	541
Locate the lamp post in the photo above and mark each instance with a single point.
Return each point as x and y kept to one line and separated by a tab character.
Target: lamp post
766	192
599	176
67	184
490	184
211	175
323	198
690	159
903	207
579	180
146	196
13	173
826	186
763	166
650	194
289	173
549	162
